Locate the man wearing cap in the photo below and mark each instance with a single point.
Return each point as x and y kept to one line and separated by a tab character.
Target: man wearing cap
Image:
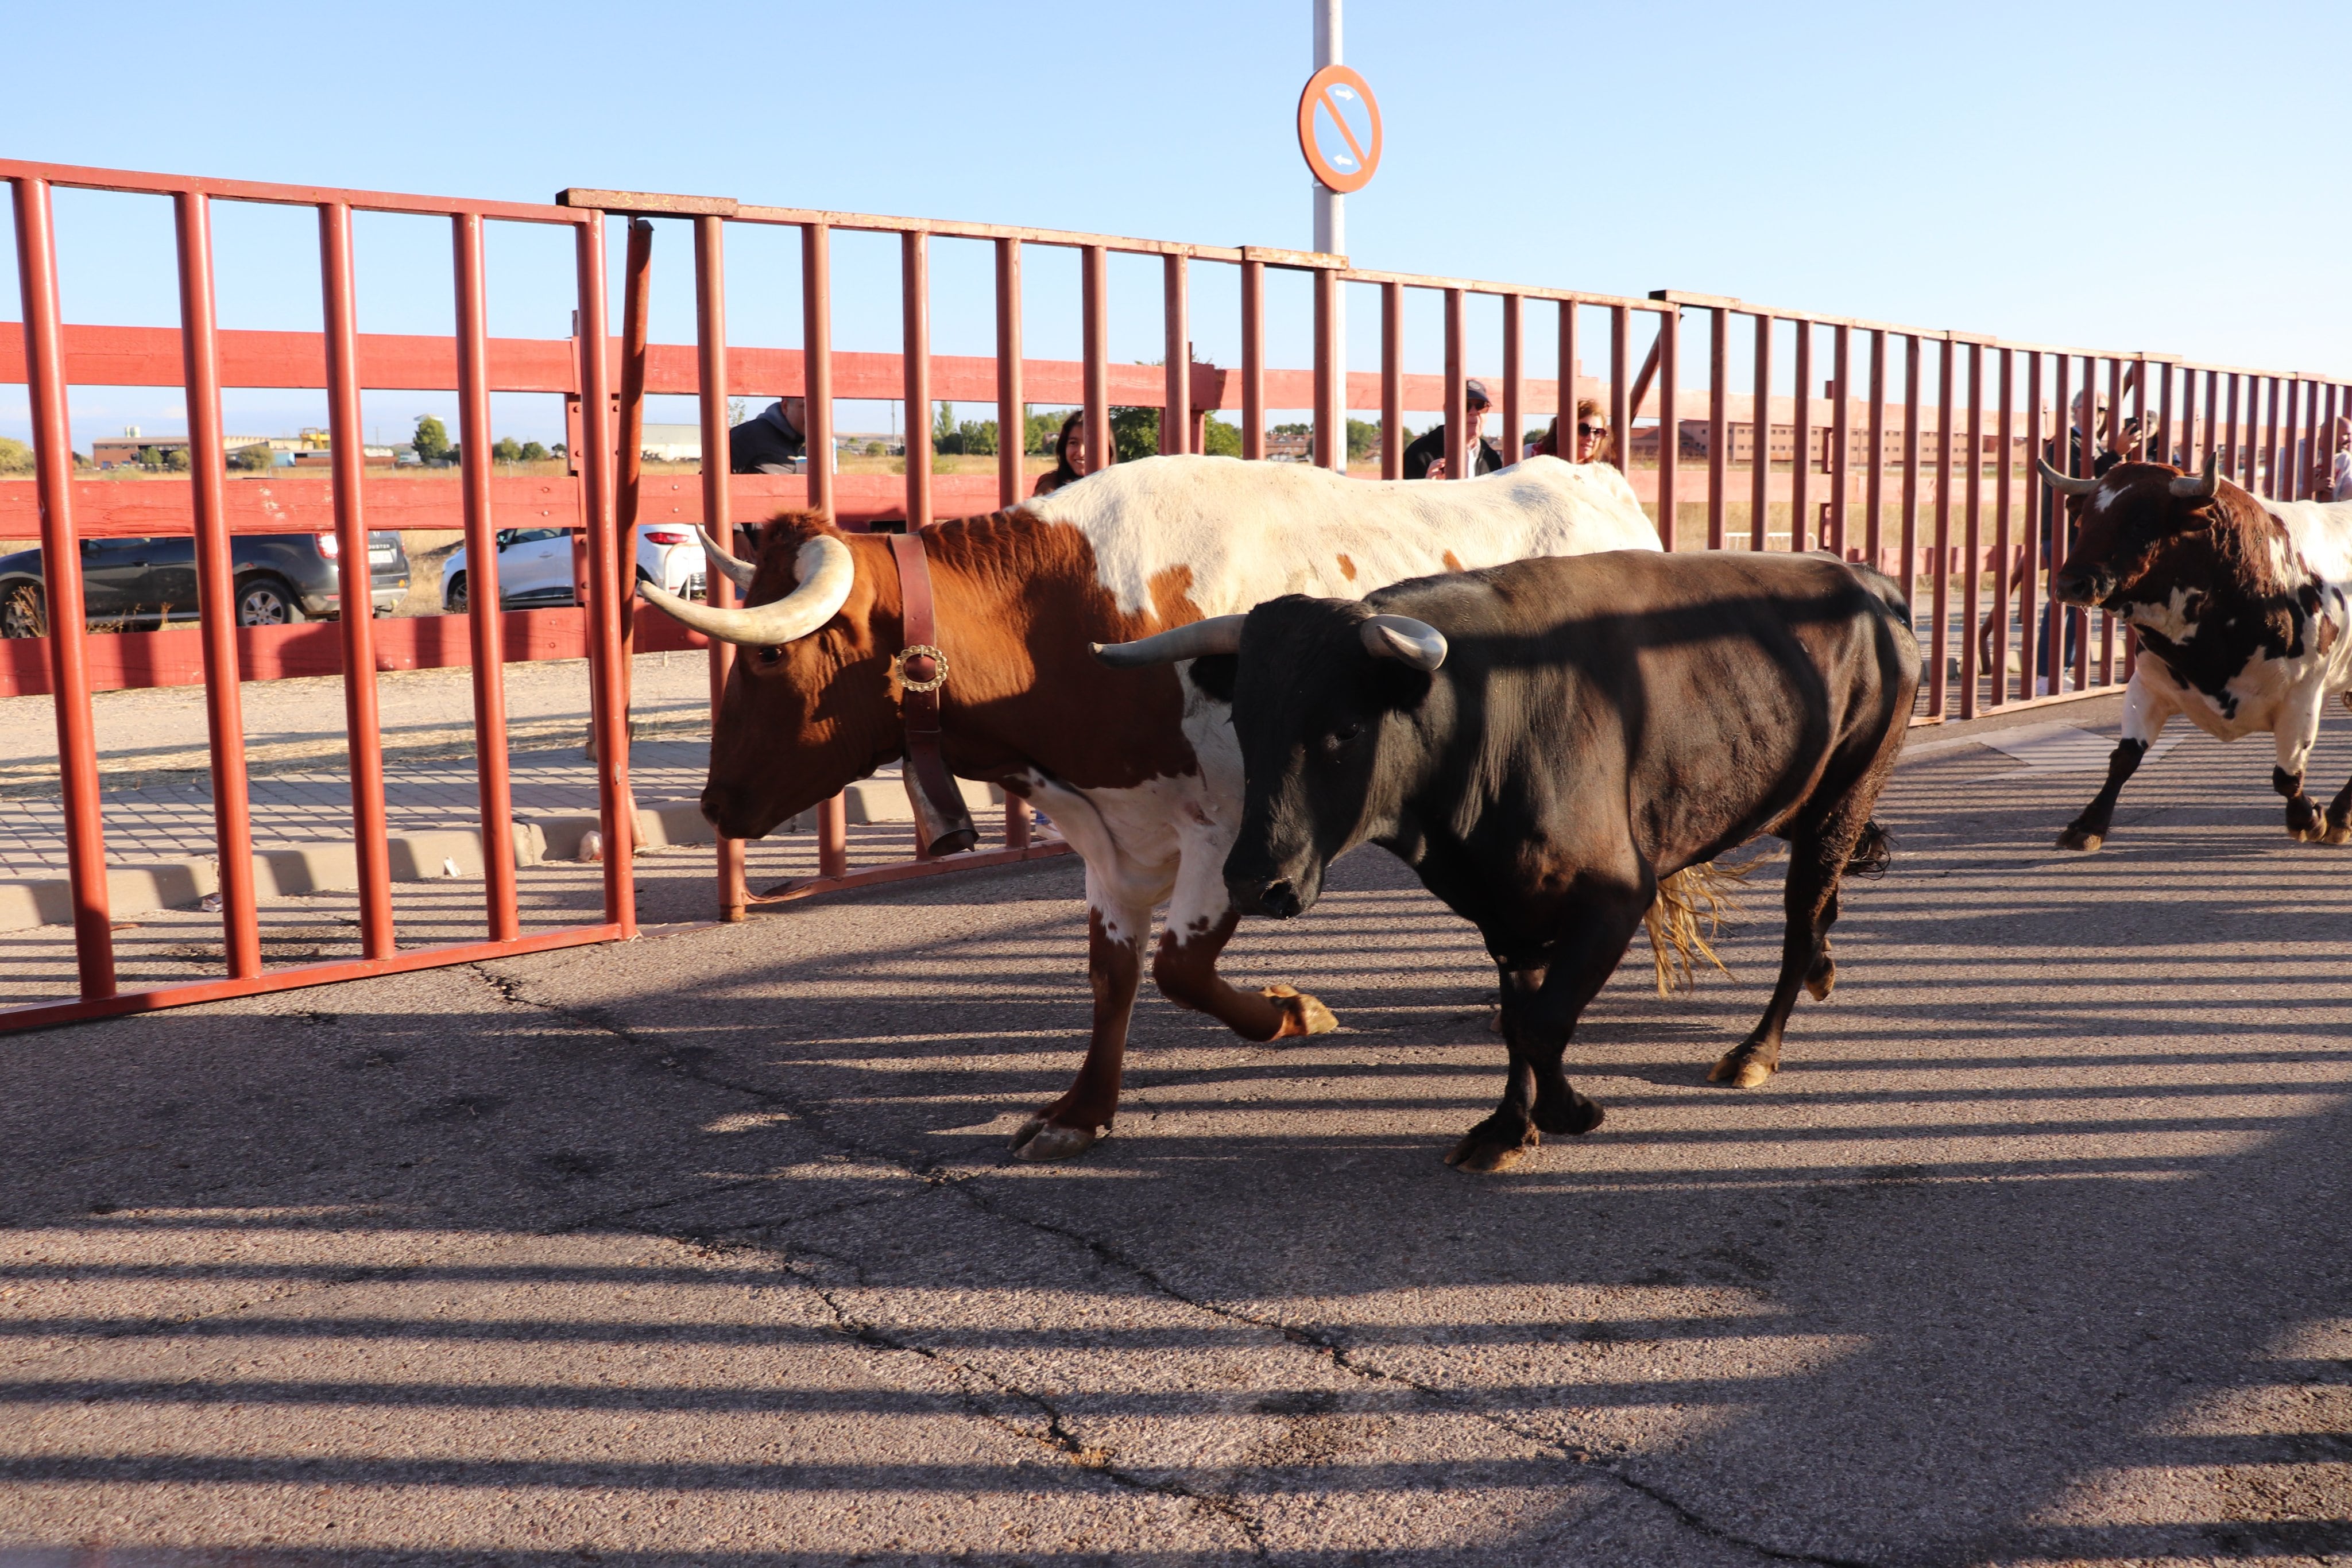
1425	458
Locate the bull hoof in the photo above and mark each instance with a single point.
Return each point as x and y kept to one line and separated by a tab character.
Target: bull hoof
1821	979
1040	1139
1574	1114
1741	1069
2337	833
1483	1149
2076	839
1301	1014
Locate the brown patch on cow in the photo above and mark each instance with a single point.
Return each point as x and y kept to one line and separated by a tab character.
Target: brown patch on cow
1452	562
1347	569
2327	638
1017	602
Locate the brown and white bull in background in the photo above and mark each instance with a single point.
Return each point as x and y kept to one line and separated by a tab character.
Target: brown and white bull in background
1138	768
2241	611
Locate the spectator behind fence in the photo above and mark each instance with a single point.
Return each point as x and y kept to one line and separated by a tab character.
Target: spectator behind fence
1594	443
2336	480
1069	456
770	441
2058	536
1425	458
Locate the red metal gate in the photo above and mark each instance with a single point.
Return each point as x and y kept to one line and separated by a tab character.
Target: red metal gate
69	681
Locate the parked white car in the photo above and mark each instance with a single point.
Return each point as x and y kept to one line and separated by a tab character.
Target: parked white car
535	566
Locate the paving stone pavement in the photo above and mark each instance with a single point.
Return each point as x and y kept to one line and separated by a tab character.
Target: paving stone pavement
705	1250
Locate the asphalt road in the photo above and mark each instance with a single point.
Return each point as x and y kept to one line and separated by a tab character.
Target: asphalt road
705	1250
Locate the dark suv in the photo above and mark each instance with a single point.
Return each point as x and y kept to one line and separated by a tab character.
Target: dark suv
136	584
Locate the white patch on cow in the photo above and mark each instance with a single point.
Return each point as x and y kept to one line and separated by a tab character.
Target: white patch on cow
2170	620
1247	532
2320	532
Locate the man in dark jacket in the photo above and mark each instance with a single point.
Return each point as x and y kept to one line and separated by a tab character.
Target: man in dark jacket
770	441
1425	458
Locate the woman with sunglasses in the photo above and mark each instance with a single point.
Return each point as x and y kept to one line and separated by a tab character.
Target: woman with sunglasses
1592	439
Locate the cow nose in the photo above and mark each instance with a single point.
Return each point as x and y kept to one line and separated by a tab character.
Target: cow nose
2074	587
1278	898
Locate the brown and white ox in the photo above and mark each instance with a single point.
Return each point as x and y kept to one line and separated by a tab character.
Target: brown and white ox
2242	610
1138	768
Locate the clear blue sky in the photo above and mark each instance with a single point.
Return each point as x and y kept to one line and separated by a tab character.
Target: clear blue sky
2154	176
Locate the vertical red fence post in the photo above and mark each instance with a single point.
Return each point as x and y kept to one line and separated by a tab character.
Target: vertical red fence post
1327	444
1941	594
915	372
1801	426
1718	420
216	585
1253	361
2230	469
1513	381
1012	441
604	583
2108	428
484	624
816	389
1910	573
1620	404
2163	452
1670	423
1457	405
1874	485
1565	437
2056	531
2307	449
637	306
369	826
1759	430
2004	473
1971	532
1391	381
915	368
45	367
1842	442
717	498
2266	474
1176	414
2030	546
1095	303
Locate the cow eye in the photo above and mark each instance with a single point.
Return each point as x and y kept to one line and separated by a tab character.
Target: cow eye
1341	736
769	658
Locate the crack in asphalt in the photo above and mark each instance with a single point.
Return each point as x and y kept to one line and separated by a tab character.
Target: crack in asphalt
1060	1440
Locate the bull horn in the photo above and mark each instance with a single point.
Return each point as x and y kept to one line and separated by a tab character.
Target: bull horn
1194	640
827	572
738	573
2065	484
1410	642
2203	487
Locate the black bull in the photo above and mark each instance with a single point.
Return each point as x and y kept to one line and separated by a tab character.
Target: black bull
1593	723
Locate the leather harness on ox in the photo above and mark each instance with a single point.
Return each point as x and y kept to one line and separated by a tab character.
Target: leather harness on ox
941	824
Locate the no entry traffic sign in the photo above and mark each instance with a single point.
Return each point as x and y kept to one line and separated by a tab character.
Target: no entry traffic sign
1339	129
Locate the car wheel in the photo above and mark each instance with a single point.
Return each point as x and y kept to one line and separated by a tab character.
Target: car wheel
267	601
22	614
454	601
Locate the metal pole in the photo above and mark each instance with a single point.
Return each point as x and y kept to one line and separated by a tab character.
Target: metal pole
1176	415
718	499
487	628
915	352
1331	238
1457	397
603	582
816	390
1253	360
360	715
1760	426
1391	381
1012	439
217	587
1094	288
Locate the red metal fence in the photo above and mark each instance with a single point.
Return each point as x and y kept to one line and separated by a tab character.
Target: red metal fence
1928	436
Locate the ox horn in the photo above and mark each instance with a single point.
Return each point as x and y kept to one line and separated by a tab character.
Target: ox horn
1401	637
1195	639
827	572
2205	487
2065	484
738	573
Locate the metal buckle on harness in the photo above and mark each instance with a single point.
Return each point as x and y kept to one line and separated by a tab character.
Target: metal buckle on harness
920	651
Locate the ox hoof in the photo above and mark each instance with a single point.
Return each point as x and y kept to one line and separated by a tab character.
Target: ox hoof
1040	1139
1581	1114
1739	1069
1821	979
2305	835
1483	1149
2076	839
2337	833
1301	1014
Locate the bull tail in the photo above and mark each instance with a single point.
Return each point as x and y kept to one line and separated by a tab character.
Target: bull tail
1873	852
1689	910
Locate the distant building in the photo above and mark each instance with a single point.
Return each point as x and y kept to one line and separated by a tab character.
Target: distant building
111	452
672	442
